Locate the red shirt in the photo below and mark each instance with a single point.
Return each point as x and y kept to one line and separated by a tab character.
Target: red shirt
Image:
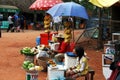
64	47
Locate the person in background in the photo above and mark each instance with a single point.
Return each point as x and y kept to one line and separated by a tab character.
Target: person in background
17	22
81	67
22	22
57	21
10	23
82	24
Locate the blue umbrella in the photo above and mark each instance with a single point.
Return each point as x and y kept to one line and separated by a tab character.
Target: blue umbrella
68	9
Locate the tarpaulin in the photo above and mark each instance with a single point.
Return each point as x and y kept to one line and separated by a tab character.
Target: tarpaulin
103	3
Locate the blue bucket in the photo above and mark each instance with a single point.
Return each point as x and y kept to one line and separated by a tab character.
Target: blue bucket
37	41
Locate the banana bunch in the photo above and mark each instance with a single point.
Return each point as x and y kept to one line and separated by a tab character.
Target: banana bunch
67	34
67	24
47	20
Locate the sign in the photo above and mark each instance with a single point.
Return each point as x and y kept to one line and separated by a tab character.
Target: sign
8	10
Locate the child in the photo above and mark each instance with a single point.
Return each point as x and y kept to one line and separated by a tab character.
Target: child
81	67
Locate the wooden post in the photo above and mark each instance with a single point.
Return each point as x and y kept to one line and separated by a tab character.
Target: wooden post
100	35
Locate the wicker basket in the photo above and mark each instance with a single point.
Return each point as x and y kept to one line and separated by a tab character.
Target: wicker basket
42	61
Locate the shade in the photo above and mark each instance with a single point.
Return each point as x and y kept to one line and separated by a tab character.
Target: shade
8	8
68	9
103	3
43	4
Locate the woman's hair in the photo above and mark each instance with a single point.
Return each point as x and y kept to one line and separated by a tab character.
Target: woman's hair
79	51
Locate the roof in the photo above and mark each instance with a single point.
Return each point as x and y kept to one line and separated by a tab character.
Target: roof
8	8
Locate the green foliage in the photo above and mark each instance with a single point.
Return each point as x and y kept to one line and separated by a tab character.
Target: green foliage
84	3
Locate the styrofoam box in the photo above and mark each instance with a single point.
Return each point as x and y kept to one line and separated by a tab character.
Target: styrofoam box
55	73
70	61
54	46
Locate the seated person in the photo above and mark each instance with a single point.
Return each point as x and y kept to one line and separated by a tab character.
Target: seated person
81	67
63	48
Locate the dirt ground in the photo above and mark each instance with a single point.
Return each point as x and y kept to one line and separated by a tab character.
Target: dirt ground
11	59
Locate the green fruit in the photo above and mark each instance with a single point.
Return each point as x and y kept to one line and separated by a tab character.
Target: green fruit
31	65
25	67
26	63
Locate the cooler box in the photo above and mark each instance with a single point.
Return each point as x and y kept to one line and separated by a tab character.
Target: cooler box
56	73
70	60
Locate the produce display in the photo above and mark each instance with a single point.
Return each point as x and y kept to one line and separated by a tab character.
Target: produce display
67	31
27	65
29	51
47	21
52	63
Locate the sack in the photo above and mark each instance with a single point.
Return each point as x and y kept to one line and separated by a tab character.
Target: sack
42	61
42	54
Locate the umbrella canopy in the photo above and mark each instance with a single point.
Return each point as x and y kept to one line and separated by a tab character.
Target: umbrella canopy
68	9
43	4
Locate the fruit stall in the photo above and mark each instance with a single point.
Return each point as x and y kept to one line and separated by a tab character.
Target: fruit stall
29	65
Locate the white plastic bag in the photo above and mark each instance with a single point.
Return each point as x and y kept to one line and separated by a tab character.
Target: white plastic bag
42	54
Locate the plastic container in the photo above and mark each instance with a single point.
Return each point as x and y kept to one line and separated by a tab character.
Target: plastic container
31	75
37	40
45	37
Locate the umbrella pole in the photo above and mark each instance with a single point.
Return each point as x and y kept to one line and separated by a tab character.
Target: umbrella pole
73	26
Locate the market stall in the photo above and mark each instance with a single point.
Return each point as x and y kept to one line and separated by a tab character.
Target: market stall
5	10
29	66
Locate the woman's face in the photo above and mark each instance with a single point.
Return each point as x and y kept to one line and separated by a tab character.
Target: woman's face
74	51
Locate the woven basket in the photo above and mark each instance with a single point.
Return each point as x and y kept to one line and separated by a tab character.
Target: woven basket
42	61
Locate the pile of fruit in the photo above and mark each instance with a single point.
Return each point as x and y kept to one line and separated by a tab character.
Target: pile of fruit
27	65
47	21
52	63
29	51
67	31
